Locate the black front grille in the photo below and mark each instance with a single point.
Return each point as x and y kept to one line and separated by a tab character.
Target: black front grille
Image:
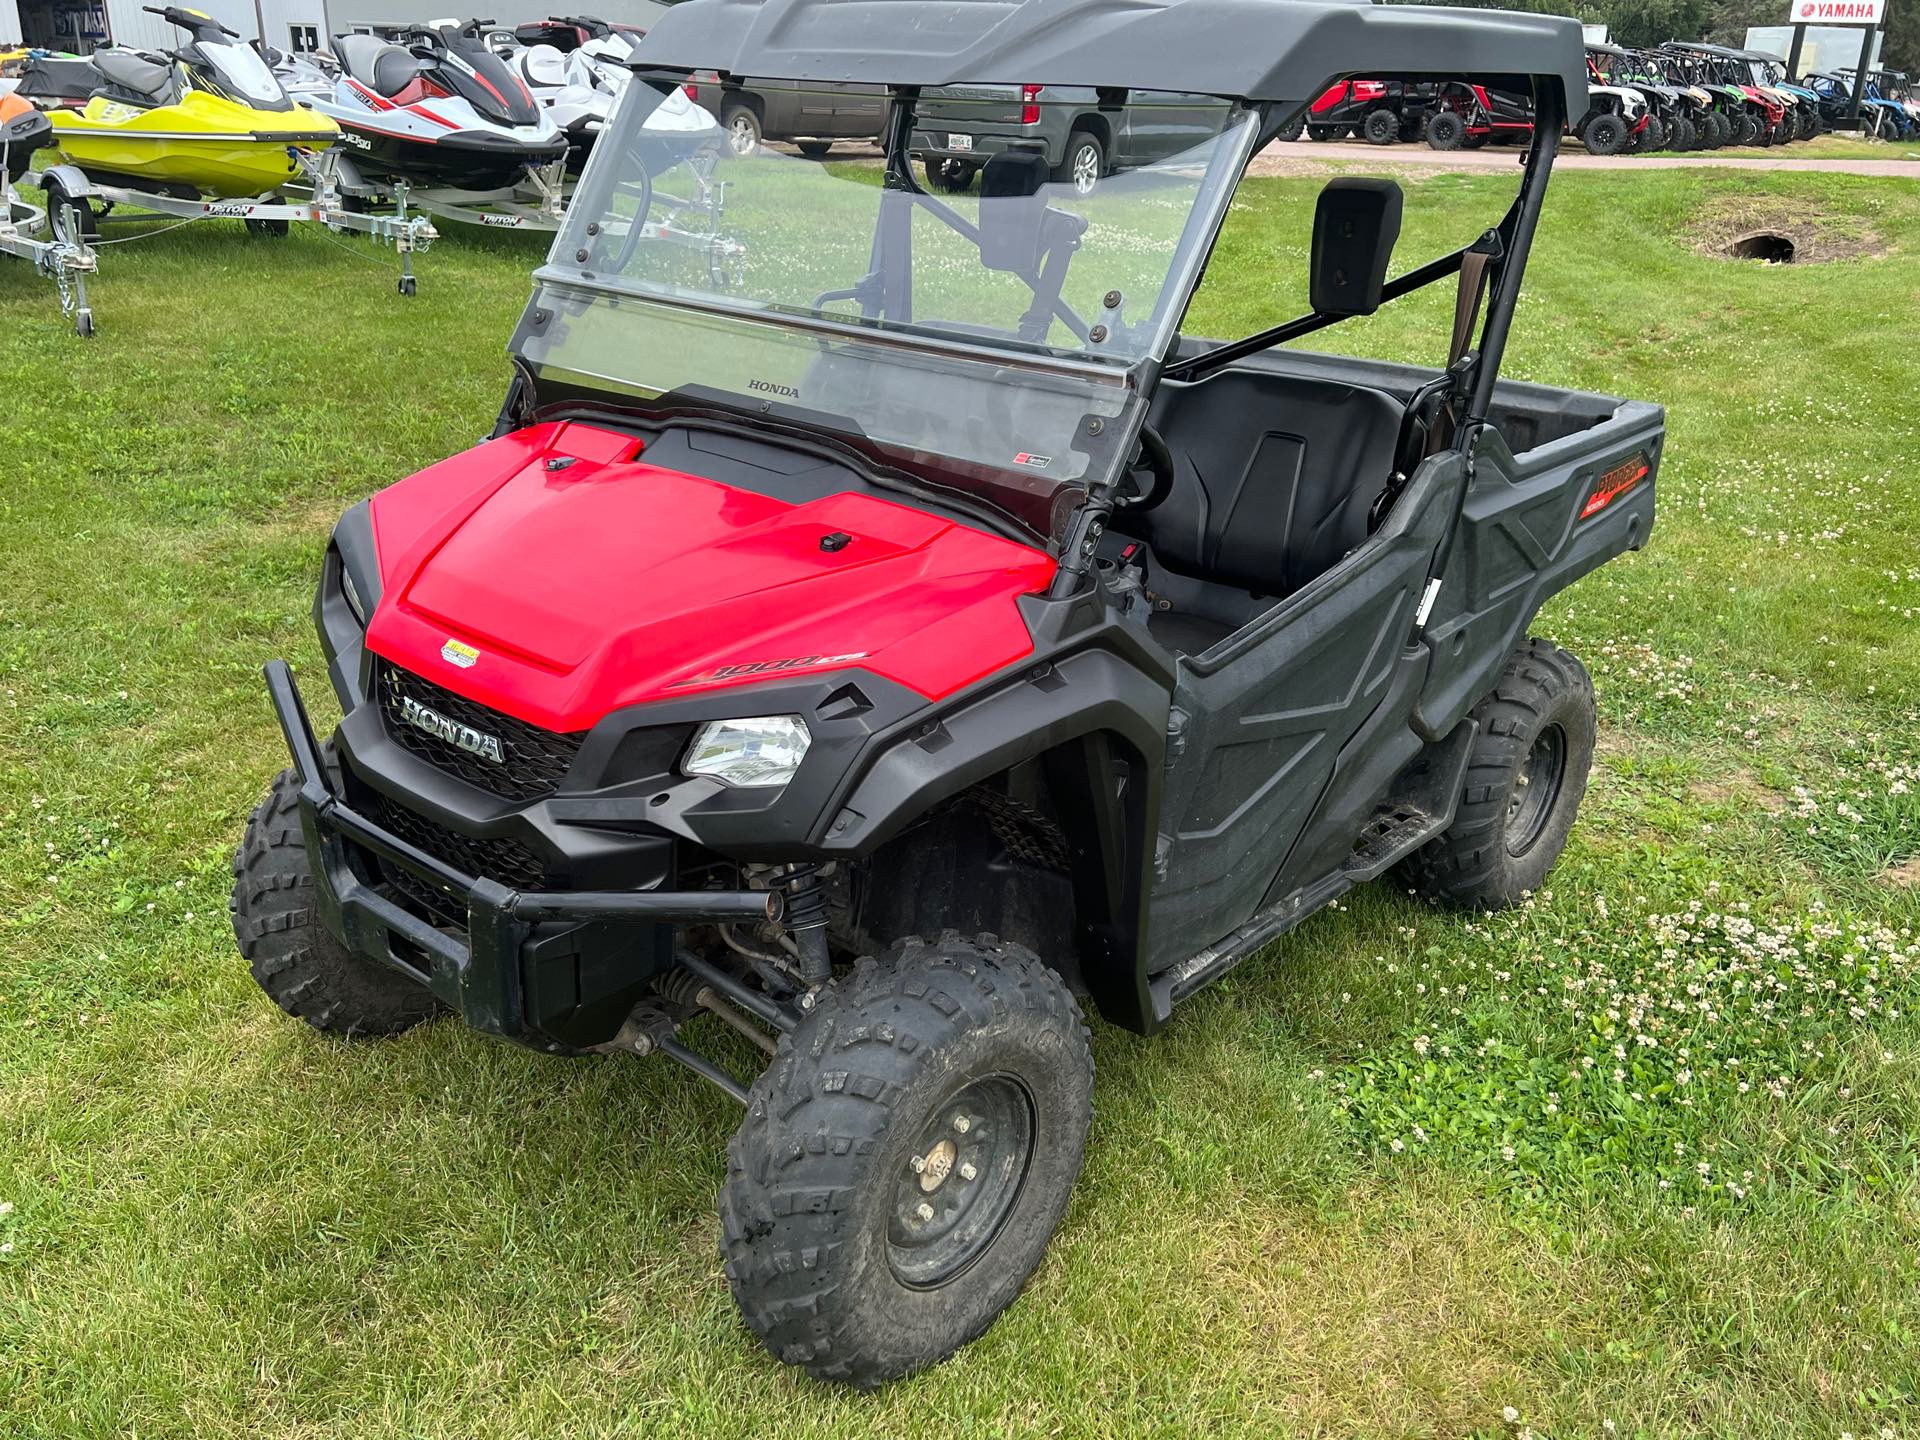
496	858
533	761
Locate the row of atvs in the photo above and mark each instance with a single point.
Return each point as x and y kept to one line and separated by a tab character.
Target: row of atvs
1682	96
441	107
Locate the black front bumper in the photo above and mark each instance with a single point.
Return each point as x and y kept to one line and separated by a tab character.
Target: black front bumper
514	965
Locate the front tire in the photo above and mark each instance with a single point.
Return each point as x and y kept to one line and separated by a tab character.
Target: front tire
303	969
906	1158
1525	779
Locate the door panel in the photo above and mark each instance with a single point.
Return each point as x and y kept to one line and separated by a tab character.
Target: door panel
1261	720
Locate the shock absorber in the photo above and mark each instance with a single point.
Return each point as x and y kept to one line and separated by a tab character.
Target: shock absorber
807	919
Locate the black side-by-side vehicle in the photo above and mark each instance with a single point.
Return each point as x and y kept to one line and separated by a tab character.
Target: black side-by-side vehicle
876	628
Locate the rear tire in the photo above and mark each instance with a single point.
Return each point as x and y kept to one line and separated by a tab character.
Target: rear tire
743	130
1326	133
1083	163
1446	131
846	1256
303	969
1524	782
952	176
1381	127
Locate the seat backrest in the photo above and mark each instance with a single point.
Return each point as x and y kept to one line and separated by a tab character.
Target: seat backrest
380	65
542	65
1274	476
134	74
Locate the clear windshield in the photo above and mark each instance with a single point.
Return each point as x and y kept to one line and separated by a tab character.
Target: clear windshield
243	74
990	325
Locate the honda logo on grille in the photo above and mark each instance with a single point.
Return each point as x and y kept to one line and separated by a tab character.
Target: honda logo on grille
464	737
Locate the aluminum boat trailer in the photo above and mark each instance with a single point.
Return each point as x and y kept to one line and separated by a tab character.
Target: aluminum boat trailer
65	261
318	198
539	204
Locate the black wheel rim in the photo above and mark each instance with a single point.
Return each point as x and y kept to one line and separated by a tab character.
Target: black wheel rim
967	1170
1535	789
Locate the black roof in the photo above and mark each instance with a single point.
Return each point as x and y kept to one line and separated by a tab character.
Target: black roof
1264	50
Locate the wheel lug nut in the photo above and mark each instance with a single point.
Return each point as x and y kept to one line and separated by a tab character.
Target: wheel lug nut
962	1124
918	1164
925	1212
967	1172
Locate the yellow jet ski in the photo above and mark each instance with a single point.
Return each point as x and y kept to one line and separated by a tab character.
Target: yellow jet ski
209	118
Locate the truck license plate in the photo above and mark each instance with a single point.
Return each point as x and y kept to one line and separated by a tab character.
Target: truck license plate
960	142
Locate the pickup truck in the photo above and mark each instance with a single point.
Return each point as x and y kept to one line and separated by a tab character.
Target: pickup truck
1082	133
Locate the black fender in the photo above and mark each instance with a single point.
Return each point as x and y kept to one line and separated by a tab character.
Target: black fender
1091	704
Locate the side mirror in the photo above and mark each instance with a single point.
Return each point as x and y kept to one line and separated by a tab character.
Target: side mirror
1354	227
1012	211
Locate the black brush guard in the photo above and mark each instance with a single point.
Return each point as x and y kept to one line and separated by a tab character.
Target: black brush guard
482	977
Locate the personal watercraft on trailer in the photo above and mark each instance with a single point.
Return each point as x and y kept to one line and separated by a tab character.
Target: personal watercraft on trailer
23	130
26	233
207	119
440	112
578	88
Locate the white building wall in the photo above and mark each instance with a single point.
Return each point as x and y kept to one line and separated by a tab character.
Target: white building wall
132	26
10	27
343	15
278	18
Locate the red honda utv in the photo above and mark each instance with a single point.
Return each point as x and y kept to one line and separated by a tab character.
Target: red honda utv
876	638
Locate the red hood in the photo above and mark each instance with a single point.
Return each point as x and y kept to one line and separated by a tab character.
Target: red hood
613	581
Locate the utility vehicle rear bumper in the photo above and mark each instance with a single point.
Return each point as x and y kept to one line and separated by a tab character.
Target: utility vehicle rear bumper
485	973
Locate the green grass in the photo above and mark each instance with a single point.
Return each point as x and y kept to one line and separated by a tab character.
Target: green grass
1366	1186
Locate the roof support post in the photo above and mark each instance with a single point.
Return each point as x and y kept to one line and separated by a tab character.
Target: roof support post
1549	119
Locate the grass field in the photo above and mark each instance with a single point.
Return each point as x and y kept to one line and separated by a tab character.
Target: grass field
1638	1159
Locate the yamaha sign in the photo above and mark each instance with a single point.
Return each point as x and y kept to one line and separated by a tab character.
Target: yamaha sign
1836	12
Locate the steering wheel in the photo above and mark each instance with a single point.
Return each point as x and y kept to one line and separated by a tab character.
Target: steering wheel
1157	461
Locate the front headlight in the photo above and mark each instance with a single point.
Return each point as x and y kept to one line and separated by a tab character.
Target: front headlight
758	753
352	592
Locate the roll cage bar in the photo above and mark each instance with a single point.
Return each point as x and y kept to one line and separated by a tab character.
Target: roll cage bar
1505	249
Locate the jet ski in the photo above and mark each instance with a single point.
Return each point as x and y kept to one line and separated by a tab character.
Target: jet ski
304	75
23	130
578	88
208	119
441	111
